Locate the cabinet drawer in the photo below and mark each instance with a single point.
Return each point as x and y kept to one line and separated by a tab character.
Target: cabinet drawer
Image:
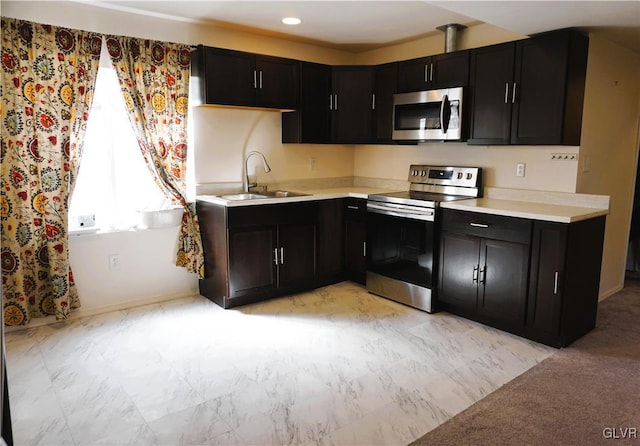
495	227
355	208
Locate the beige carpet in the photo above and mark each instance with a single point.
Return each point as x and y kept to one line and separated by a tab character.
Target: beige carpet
585	394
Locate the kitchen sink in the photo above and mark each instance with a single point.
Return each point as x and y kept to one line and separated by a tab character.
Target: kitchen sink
266	194
282	194
235	197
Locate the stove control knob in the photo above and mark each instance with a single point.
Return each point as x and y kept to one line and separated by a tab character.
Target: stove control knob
469	176
459	175
423	173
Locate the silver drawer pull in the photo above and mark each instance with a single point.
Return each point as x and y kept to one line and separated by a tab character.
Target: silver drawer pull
478	225
275	256
555	283
281	256
353	207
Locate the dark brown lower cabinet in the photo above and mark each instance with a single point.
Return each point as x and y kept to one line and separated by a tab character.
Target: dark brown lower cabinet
565	280
536	279
331	264
355	239
484	279
254	253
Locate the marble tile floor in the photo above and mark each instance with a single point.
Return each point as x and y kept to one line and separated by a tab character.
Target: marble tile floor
334	366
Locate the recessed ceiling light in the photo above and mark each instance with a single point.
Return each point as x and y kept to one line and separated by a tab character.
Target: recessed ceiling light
291	21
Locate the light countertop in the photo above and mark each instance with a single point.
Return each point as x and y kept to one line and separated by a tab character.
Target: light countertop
314	194
537	205
527	209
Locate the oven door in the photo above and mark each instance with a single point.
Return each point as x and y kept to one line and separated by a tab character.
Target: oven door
400	253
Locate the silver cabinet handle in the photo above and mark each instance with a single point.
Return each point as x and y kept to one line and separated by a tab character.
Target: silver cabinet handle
275	256
483	275
513	96
426	73
255	81
364	249
281	256
261	80
431	74
475	274
373	102
478	225
330	102
353	207
555	283
506	92
335	101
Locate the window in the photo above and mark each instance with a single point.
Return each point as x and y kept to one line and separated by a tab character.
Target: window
113	181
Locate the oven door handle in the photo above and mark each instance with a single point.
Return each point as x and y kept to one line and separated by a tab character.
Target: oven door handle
427	214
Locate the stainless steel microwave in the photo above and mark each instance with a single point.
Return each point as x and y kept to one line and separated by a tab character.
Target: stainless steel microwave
433	115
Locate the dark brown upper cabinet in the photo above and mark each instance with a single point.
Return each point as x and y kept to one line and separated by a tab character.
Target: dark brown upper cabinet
439	71
352	104
385	86
530	91
236	78
336	106
311	122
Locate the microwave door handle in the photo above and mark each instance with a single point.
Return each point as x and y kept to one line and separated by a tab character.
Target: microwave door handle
443	106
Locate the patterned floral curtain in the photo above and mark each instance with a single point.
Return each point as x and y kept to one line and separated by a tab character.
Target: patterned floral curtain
47	80
154	77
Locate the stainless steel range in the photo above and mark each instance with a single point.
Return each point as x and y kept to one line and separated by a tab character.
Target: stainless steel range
402	232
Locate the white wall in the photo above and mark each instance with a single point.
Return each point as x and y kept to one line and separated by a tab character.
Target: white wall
498	163
222	137
610	146
146	271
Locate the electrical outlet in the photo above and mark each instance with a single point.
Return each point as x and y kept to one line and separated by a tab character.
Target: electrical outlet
114	262
520	167
86	221
313	163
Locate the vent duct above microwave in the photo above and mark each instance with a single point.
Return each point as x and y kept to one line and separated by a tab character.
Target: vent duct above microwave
451	36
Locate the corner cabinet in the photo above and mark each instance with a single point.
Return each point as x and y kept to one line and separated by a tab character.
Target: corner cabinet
565	280
530	91
257	252
342	104
236	78
484	267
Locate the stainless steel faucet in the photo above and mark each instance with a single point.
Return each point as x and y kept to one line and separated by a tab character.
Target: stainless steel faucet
245	177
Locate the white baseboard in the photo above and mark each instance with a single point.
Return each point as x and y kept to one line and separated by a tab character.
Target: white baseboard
81	312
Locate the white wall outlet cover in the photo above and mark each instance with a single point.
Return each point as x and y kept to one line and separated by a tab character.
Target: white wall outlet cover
86	221
520	169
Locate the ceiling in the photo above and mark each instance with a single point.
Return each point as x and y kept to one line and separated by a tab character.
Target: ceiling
361	25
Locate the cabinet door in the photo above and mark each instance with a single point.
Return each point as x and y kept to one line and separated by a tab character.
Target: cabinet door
330	240
276	82
503	282
229	77
311	122
355	239
540	83
297	255
459	260
352	104
491	76
414	74
251	260
386	80
548	260
451	70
